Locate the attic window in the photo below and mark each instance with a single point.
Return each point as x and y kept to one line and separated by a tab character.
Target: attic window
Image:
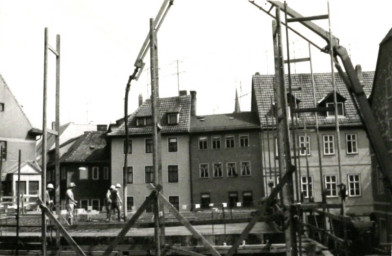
173	118
339	106
1	107
144	121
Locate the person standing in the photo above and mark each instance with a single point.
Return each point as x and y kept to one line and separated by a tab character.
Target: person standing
70	202
49	201
115	204
109	202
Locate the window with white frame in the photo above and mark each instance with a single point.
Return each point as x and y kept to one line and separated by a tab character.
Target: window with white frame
95	173
354	186
203	169
148	174
218	172
105	173
307	186
129	147
216	142
172	173
351	144
144	121
330	186
96	204
84	203
231	170
173	118
229	141
149	146
304	145
329	144
339	106
245	169
172	145
244	141
202	142
129	175
83	173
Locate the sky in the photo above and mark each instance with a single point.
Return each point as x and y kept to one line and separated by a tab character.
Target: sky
209	46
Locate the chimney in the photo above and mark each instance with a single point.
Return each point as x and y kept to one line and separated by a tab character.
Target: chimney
193	103
358	70
140	99
182	93
102	127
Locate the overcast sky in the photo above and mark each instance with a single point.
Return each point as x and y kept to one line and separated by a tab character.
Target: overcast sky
219	45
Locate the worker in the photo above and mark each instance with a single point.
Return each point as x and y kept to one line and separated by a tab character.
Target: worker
109	202
49	201
70	202
115	204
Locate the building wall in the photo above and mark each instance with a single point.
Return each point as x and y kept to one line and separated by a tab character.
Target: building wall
351	164
220	187
139	159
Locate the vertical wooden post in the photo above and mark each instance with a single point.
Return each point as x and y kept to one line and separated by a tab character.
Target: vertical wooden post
57	148
1	168
44	142
283	137
18	204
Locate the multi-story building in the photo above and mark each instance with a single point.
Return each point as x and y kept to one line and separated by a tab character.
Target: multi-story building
174	120
381	100
84	160
226	160
354	168
15	136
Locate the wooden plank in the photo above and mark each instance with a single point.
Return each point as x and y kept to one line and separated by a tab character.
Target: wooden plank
186	224
317	17
297	60
130	223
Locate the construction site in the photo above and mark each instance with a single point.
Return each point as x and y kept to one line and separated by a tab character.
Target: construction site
293	216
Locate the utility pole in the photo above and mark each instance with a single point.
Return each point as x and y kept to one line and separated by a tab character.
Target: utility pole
284	158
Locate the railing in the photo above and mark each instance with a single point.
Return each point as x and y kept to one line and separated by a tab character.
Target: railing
26	202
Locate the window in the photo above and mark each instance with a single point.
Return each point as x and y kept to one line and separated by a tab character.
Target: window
230	142
63	173
83	173
304	145
172	144
173	118
340	108
245	168
353	185
329	145
203	143
144	121
244	141
95	173
203	168
231	170
84	203
130	175
216	142
129	203
149	145
330	186
175	201
22	187
247	199
173	173
205	200
306	186
3	149
149	207
96	204
129	148
149	174
105	173
218	170
1	107
233	199
351	144
33	187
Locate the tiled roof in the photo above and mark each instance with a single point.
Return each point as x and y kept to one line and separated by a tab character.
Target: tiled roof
263	94
167	105
89	147
225	122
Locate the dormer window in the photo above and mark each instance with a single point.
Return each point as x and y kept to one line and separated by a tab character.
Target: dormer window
173	118
339	107
144	121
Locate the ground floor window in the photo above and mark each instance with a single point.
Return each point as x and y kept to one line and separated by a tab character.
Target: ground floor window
175	201
247	199
22	186
96	204
129	203
84	203
205	200
149	207
233	199
354	188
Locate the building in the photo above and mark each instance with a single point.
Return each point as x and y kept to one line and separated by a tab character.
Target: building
354	146
226	160
174	120
15	136
84	160
381	100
